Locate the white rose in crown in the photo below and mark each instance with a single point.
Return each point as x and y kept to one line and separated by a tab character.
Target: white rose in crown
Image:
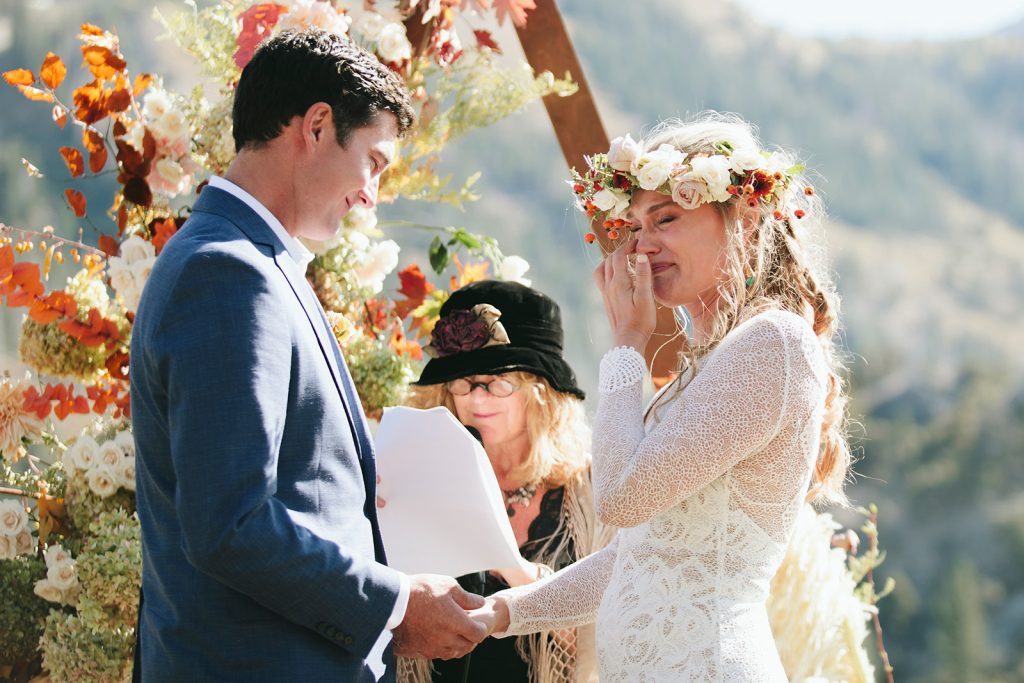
623	153
62	575
654	168
689	194
102	481
613	202
392	45
45	589
513	268
714	171
746	159
13	519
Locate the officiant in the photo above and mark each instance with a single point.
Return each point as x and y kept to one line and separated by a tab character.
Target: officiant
497	365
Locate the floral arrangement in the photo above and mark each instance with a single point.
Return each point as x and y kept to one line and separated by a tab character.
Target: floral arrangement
758	177
70	563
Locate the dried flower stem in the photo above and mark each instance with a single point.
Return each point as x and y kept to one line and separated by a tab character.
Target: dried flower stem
873	548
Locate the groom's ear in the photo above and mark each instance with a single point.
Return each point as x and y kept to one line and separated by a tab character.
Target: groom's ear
317	124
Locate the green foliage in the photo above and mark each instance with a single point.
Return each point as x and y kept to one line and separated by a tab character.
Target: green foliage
23	613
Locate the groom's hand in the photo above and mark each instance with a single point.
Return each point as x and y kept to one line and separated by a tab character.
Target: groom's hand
436	625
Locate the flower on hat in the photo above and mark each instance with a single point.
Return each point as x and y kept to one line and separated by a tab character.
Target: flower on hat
466	330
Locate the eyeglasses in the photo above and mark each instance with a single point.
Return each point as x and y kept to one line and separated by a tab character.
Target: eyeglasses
499	387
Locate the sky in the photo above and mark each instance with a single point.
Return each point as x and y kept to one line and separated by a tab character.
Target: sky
888	19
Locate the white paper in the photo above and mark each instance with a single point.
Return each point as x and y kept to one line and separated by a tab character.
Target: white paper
443	511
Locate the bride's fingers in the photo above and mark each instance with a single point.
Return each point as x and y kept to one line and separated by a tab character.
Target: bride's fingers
620	266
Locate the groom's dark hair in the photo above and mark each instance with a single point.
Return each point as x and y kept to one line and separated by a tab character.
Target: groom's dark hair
296	69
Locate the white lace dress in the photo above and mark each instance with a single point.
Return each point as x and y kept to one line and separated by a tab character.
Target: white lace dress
707	493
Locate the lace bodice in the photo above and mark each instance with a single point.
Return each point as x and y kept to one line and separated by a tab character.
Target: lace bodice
706	491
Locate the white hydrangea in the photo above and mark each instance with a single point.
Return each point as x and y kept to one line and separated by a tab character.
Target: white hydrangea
513	268
392	45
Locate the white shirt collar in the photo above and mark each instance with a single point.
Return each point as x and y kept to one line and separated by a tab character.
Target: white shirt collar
298	252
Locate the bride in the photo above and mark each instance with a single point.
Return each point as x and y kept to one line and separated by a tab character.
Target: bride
706	483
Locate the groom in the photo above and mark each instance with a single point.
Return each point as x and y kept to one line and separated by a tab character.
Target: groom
262	558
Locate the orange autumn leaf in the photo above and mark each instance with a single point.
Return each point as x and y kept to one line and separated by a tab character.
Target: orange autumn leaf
76	200
102	61
19	77
35	94
117	365
142	82
94	144
119	100
91	30
90	99
163	231
60	115
74	160
26	277
415	287
471	272
108	245
53	71
485	39
52	307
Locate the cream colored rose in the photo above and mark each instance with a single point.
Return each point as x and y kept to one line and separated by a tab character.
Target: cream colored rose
746	159
83	453
109	454
513	268
141	271
62	575
654	168
55	554
102	481
126	472
25	543
45	589
689	194
623	153
8	547
714	171
126	442
13	518
614	202
170	128
368	24
170	172
136	249
157	104
393	46
379	261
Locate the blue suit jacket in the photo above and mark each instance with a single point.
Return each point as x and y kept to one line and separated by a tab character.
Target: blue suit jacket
262	559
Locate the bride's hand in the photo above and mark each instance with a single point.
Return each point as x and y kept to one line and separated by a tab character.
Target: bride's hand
493	615
628	299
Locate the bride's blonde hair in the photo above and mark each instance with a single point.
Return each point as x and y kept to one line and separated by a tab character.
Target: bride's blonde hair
784	257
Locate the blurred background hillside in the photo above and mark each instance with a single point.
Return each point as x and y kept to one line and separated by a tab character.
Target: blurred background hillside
919	152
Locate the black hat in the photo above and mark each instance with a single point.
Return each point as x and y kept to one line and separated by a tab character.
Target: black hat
492	327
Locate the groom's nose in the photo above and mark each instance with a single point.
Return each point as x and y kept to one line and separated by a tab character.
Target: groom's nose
368	195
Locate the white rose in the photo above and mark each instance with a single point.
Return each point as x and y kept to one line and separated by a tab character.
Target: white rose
141	271
513	268
130	294
171	172
380	260
169	128
156	105
62	575
45	589
654	168
126	472
121	278
55	554
614	202
393	46
368	24
746	159
109	454
24	543
13	519
313	13
714	171
8	547
689	194
83	454
126	441
102	481
136	249
623	153
361	219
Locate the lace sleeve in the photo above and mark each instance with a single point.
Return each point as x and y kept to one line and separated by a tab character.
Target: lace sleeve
730	410
567	598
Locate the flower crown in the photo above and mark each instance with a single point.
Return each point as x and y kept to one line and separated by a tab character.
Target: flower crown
604	192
